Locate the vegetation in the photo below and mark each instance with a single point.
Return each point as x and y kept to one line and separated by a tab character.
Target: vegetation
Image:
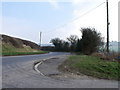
101	65
92	66
91	42
112	56
14	46
73	40
8	50
22	53
58	44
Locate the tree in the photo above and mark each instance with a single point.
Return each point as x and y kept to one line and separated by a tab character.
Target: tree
79	46
65	46
57	43
73	41
91	40
60	45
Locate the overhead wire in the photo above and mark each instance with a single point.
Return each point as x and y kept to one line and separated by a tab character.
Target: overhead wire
79	16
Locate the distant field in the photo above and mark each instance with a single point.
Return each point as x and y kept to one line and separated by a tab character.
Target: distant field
92	66
8	50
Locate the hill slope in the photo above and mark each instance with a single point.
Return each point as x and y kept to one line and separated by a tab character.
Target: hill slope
16	46
18	43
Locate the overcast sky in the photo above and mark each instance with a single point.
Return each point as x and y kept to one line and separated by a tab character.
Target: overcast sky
57	18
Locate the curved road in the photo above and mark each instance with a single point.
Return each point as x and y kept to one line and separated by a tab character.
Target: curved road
18	72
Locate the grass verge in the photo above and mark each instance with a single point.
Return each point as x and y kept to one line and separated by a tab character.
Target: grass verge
92	66
10	50
22	53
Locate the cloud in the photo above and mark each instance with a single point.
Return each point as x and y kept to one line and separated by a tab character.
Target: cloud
83	2
54	3
75	2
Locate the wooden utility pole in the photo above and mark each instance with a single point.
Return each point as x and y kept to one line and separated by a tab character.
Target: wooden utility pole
107	27
40	38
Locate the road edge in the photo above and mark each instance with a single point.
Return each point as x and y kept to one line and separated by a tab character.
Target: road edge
36	64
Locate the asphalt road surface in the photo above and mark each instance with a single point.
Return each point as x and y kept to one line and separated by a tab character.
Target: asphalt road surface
18	72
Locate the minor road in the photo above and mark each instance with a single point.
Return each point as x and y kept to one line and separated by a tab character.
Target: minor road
18	72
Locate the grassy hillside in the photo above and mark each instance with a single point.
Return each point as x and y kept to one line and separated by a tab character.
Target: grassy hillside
18	43
15	46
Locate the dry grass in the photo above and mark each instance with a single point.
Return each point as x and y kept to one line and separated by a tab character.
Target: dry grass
112	56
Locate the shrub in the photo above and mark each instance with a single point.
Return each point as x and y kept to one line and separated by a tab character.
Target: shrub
91	40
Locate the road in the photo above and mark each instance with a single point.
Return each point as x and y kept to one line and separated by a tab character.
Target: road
18	72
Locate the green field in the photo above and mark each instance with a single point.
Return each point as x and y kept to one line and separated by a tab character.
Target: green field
91	66
9	50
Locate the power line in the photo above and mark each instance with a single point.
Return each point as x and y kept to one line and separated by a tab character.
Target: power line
88	11
80	16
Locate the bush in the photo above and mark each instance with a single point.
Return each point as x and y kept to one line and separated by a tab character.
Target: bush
91	40
60	45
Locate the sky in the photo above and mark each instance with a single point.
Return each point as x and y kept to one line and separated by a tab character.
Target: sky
25	19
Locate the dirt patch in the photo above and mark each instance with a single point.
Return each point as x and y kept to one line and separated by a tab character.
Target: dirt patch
67	75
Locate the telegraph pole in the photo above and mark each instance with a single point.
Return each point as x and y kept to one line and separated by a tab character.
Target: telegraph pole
40	38
107	27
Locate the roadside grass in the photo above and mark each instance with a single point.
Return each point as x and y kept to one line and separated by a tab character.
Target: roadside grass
9	50
91	66
22	53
